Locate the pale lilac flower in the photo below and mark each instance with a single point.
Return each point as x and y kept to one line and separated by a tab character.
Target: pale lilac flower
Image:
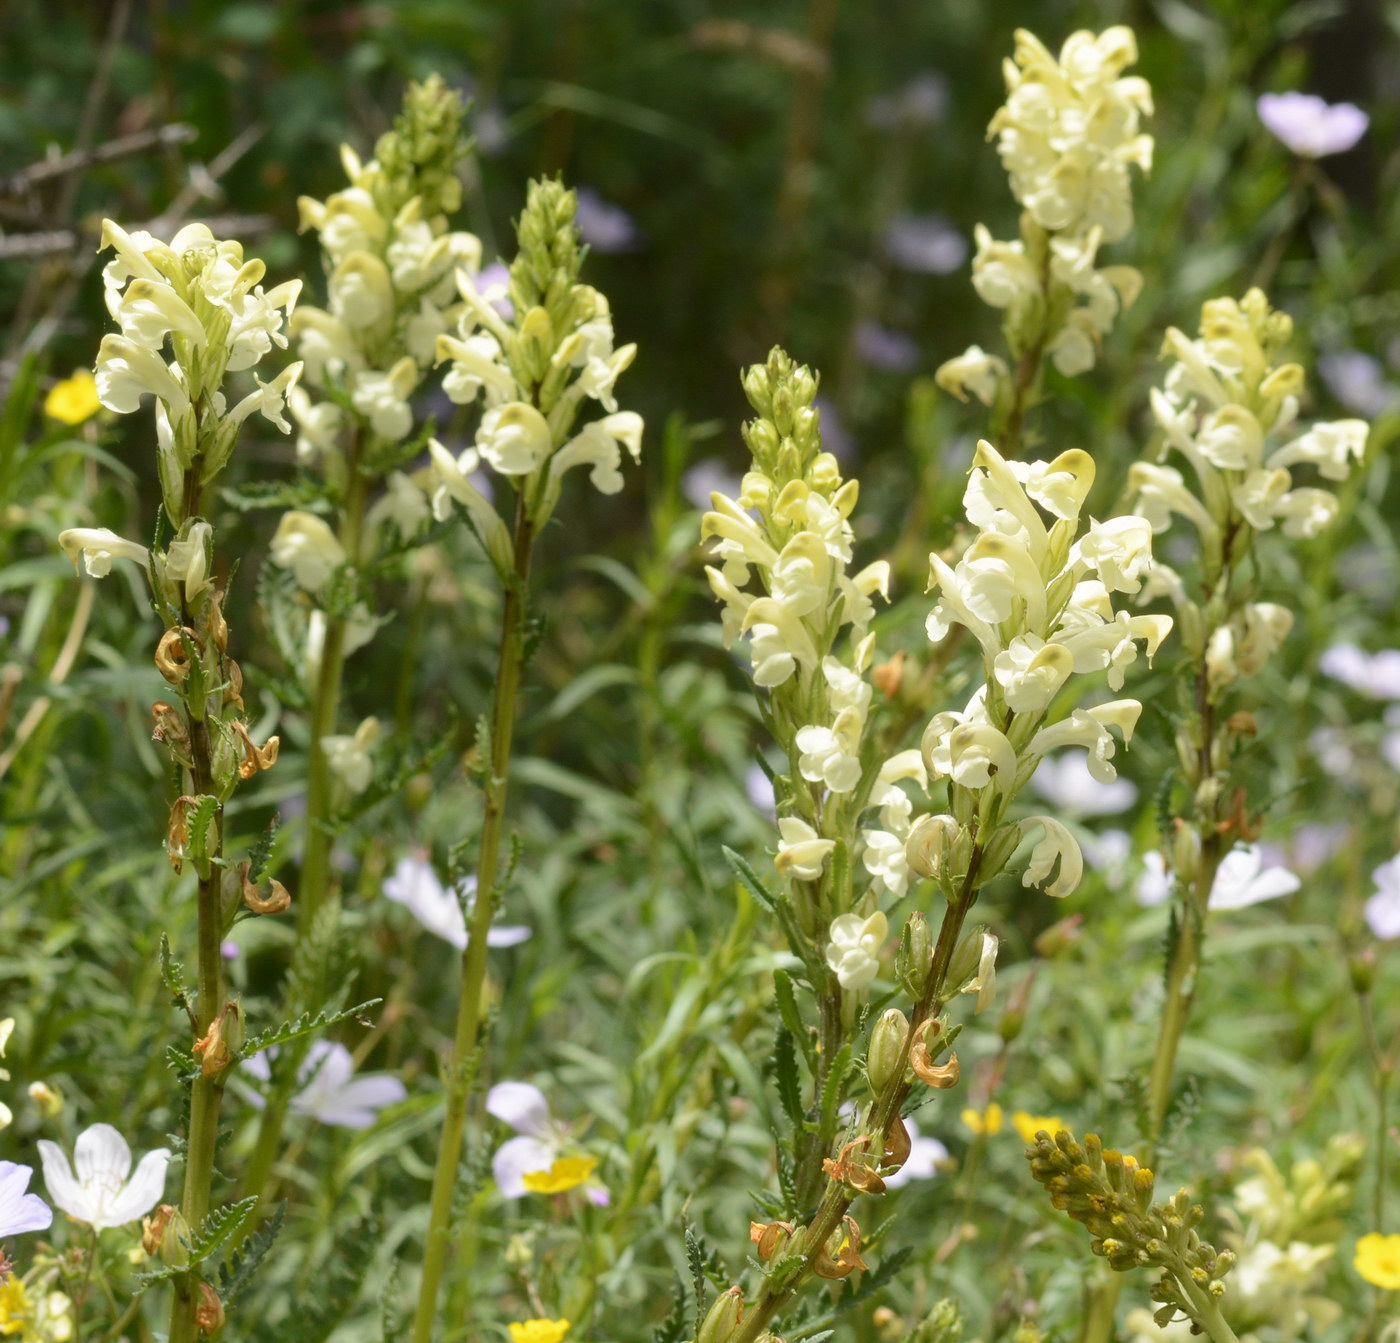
1242	879
927	244
921	102
540	1142
1383	908
1065	780
925	1157
415	886
1390	743
885	348
1307	849
759	787
228	949
705	478
20	1211
1311	127
1373	674
603	226
837	439
490	129
1357	381
329	1091
493	284
95	1188
1333	752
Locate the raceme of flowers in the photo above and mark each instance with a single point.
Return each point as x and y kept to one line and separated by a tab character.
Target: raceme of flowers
1038	597
1068	135
534	375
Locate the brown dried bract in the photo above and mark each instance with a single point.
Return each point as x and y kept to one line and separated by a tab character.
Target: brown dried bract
209	1314
846	1260
172	658
255	758
921	1057
851	1170
898	1144
276	901
769	1237
177	833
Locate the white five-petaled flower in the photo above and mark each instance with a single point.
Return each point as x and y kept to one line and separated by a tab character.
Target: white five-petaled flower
540	1139
95	1188
329	1090
1383	908
854	948
416	887
20	1211
1311	127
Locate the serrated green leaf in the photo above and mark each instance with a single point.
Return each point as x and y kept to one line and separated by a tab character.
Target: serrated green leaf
741	869
785	1075
306	1024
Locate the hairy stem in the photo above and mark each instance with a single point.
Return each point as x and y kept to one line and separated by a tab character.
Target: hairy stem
460	1063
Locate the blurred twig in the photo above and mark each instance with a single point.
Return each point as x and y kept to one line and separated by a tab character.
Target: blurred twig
78	160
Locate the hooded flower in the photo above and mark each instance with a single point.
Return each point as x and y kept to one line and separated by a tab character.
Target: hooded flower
95	1188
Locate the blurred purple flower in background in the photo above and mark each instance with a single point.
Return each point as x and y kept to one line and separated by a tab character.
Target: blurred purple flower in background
921	102
885	348
1357	381
1373	674
603	226
927	244
707	476
1383	908
493	284
760	790
1311	127
836	438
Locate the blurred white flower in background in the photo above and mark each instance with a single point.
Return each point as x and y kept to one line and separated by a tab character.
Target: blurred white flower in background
416	887
1242	879
926	244
95	1189
925	1157
329	1091
1066	781
1310	126
1383	908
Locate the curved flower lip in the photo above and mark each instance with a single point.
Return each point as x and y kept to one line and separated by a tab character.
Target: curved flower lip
20	1211
95	1188
1310	126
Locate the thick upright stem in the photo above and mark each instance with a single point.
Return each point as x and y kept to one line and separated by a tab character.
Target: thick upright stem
207	1092
459	1067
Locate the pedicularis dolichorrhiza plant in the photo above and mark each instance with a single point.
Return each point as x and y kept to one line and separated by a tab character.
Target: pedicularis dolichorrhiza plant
745	1001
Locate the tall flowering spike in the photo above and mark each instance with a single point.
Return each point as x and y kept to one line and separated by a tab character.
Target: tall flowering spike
535	374
1035	587
197	298
1068	135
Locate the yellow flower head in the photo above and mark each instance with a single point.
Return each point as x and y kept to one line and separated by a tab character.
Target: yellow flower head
1378	1260
568	1172
74	399
982	1122
539	1331
1028	1125
16	1309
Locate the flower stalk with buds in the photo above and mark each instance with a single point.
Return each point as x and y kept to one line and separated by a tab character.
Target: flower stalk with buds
1068	135
199	296
536	375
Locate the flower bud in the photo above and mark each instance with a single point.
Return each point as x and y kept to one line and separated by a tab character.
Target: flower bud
221	1041
48	1099
722	1322
1058	937
888	1044
914	959
209	1314
1185	855
167	1234
1362	969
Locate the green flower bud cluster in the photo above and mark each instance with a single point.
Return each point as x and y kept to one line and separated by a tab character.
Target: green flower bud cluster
785	439
1111	1195
419	156
943	1325
547	265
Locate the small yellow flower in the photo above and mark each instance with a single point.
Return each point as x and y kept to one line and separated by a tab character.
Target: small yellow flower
982	1122
539	1331
1028	1125
16	1309
74	399
1378	1260
568	1172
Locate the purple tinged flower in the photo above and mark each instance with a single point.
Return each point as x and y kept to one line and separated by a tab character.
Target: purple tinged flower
705	478
837	439
95	1188
415	885
228	949
1311	127
329	1091
1383	908
927	244
540	1139
1332	751
759	787
603	226
20	1211
1065	780
490	128
885	348
1357	381
493	284
1373	674
921	102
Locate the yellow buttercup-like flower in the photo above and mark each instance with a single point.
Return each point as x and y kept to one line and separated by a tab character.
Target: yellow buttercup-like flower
1378	1260
986	1121
539	1331
74	399
1028	1125
568	1172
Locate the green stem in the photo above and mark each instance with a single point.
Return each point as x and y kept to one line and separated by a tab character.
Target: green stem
1383	1070
837	1200
460	1064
